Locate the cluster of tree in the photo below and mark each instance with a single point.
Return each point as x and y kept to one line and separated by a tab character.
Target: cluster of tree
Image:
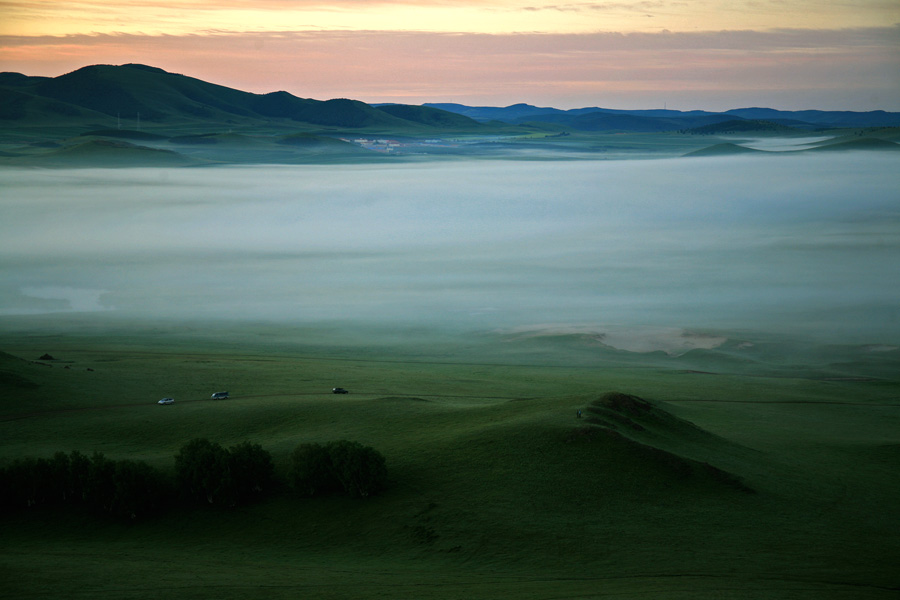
121	488
205	474
337	466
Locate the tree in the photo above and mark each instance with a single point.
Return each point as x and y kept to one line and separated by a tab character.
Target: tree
311	471
203	473
252	471
79	474
100	487
139	490
361	470
25	482
342	465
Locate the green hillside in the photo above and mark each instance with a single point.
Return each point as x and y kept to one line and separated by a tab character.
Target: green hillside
742	126
44	120
431	117
723	149
149	96
683	485
862	143
105	154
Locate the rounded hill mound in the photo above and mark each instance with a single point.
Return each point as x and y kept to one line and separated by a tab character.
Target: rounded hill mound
109	153
866	143
723	149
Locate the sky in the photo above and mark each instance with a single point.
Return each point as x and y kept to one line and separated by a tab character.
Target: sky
630	54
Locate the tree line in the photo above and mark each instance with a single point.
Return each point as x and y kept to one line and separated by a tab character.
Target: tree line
205	474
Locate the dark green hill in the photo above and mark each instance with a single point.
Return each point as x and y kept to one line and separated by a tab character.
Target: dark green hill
605	122
429	116
822	118
340	112
309	141
742	126
723	149
649	433
13	374
20	105
865	143
148	95
124	134
108	153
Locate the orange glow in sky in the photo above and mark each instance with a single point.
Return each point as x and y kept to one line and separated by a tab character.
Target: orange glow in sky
51	17
842	54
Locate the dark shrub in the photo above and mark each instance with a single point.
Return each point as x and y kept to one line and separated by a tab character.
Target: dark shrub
207	473
252	471
360	469
79	474
342	465
24	483
100	487
311	471
139	490
203	473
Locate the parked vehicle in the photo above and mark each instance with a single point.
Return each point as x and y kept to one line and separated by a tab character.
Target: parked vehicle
220	396
167	401
339	391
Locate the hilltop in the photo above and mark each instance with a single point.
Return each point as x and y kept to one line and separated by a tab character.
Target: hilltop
743	126
840	144
146	96
668	120
140	115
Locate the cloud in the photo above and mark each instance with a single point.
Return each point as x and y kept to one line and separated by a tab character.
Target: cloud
785	68
41	17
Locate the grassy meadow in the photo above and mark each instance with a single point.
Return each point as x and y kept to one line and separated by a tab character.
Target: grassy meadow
590	376
718	481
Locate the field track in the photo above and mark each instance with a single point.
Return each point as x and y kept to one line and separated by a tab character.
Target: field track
31	414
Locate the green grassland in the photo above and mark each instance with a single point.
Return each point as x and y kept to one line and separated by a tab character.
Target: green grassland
129	115
775	477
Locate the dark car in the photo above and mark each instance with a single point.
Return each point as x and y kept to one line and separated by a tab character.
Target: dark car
339	391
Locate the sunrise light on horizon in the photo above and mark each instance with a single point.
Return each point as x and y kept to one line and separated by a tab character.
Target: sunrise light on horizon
712	54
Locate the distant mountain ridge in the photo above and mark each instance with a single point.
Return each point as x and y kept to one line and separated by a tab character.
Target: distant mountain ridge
99	95
149	94
593	118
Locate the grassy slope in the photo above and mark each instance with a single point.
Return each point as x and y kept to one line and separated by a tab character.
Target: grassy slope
282	141
499	491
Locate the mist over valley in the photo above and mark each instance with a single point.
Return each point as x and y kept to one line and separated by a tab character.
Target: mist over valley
799	245
254	345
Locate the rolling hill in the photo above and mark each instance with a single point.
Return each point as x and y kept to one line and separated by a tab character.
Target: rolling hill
697	485
743	126
139	115
723	149
151	96
670	120
832	145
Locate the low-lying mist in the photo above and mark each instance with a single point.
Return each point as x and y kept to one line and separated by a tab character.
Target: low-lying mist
806	245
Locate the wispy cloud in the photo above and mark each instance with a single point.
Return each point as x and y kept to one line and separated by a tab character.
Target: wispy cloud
786	68
42	17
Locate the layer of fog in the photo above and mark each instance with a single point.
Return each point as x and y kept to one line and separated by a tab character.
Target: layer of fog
800	244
